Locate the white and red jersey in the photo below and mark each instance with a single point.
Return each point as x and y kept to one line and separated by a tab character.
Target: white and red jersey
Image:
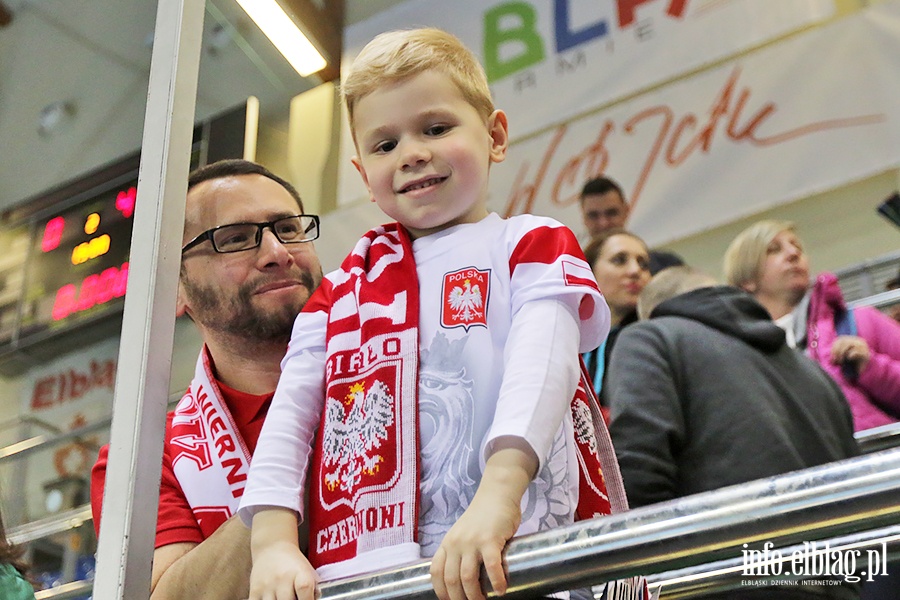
473	281
486	292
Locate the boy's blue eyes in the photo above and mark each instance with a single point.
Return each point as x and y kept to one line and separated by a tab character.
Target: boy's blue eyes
385	147
433	130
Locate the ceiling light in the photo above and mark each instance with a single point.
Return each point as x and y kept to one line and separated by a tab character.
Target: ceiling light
285	35
55	117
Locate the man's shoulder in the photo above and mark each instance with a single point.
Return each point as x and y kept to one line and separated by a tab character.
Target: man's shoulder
671	332
527	222
666	324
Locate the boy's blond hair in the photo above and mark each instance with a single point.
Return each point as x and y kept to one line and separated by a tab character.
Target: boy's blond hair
396	55
746	253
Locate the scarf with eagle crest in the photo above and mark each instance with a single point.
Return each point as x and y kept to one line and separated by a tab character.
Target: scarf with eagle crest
364	491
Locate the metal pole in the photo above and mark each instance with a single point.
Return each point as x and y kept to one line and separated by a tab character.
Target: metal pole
879	438
132	483
814	504
728	574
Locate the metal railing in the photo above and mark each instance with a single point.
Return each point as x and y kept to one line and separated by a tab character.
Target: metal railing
48	526
75	589
815	504
878	300
868	277
731	574
40	441
879	438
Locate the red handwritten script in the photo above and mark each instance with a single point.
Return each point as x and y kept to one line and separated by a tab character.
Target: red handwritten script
675	140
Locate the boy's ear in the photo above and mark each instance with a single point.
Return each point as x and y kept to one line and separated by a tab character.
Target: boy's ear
362	173
498	127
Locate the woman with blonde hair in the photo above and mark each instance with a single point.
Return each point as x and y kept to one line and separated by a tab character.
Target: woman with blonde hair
859	348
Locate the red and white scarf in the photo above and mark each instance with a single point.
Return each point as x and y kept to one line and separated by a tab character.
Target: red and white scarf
209	457
364	495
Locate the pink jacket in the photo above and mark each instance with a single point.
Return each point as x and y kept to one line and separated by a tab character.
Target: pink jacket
875	396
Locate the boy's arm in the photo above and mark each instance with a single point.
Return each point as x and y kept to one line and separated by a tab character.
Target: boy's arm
492	518
279	568
541	372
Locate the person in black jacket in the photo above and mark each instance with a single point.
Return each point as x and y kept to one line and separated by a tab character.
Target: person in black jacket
707	394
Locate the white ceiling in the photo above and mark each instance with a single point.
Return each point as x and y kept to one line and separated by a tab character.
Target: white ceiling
95	55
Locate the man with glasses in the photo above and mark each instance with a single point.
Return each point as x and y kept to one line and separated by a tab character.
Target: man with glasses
247	268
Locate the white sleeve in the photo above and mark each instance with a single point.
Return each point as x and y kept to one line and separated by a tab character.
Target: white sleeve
280	462
541	372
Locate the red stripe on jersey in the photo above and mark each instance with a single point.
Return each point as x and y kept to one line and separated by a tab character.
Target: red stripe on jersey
545	245
577	274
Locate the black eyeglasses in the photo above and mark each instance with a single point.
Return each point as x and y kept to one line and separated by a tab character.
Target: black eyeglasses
238	237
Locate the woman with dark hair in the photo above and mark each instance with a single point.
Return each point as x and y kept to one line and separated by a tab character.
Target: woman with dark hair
13	584
620	261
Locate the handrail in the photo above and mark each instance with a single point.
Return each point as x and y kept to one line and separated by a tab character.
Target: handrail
36	443
26	419
878	438
879	300
48	526
75	589
728	574
706	577
814	504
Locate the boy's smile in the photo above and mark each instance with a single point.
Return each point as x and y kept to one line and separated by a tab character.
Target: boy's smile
425	152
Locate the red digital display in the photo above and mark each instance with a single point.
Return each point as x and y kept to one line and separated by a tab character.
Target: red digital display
93	290
53	231
64	253
78	268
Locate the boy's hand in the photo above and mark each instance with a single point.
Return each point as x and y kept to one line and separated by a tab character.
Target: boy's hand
481	533
280	570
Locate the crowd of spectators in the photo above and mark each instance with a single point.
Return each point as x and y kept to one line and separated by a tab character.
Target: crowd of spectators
710	385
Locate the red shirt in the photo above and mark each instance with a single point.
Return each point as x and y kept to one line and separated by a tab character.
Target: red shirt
175	521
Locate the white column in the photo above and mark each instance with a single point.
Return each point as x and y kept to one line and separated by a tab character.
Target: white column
132	482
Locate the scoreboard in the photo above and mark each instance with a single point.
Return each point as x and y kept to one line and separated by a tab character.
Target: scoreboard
66	266
64	253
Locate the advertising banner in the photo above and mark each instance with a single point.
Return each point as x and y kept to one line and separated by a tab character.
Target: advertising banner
804	115
790	120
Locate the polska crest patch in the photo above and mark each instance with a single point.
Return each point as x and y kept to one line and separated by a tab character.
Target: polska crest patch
465	297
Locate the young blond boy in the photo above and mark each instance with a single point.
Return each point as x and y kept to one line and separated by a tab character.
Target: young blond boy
449	342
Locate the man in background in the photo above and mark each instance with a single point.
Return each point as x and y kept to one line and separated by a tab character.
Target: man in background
707	394
247	268
603	207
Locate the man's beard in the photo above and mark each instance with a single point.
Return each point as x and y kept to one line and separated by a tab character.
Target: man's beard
240	317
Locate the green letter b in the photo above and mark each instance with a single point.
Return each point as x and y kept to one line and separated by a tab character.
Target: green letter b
524	35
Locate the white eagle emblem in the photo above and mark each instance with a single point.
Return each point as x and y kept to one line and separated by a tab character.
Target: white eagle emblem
348	440
584	425
466	303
